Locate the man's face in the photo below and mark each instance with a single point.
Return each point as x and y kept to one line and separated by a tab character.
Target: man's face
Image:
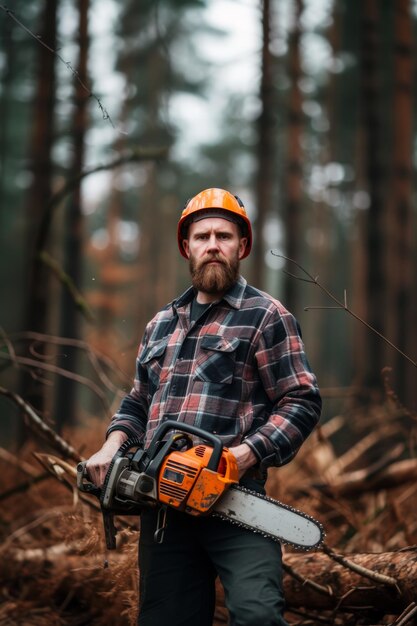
214	248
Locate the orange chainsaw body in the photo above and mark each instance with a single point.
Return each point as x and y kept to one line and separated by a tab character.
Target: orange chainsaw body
186	483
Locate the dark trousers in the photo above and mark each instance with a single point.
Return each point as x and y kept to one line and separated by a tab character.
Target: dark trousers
177	577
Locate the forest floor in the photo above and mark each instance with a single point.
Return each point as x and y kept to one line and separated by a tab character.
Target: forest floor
357	474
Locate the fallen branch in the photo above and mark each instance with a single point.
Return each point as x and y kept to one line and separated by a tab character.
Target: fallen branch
42	428
354	453
354	483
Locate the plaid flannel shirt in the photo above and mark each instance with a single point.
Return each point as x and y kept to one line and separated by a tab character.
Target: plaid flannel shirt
239	371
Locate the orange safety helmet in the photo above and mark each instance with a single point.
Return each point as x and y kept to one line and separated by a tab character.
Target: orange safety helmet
223	204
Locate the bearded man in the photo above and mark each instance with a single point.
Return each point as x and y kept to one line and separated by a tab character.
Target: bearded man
229	359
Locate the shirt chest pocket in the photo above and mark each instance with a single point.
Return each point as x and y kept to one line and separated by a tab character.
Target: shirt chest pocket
217	360
152	360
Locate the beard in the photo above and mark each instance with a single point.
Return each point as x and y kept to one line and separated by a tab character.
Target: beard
214	279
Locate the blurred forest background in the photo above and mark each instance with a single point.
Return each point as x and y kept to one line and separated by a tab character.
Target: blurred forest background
113	114
305	109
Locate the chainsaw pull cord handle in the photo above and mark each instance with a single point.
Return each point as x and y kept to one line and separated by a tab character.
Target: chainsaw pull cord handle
216	442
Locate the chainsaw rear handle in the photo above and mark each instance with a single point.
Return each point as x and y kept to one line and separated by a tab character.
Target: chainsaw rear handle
215	441
83	484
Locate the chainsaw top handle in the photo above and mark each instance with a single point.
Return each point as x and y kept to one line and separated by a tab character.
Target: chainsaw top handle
215	441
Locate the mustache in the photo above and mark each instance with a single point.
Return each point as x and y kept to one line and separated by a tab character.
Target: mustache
219	258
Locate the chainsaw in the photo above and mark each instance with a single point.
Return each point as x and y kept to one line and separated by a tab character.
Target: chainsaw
196	479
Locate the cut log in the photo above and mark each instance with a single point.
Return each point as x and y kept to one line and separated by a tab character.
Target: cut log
317	582
348	589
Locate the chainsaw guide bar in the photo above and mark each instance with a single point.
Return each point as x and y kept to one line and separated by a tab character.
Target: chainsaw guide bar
270	518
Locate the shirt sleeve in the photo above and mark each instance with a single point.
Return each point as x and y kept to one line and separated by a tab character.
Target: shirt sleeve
291	388
132	415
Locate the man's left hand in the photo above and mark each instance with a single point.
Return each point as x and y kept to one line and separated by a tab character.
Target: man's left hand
245	457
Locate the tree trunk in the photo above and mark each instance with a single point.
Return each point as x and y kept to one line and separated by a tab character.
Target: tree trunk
37	306
6	102
153	255
73	228
265	150
401	300
373	171
294	173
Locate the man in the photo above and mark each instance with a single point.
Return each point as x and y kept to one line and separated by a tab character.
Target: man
230	360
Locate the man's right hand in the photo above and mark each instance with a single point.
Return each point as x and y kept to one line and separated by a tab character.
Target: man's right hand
98	464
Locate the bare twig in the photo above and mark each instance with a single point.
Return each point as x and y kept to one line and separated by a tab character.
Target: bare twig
406	616
342	600
359	569
74	72
139	154
133	156
96	358
342	306
32	363
328	591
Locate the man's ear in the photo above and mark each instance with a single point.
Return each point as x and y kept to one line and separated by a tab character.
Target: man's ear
242	246
186	247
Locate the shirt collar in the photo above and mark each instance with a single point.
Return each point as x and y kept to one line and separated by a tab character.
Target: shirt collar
233	297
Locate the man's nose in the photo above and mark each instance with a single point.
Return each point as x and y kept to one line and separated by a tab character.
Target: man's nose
212	243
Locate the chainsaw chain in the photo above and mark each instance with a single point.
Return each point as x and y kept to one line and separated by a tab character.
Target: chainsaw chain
263	533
